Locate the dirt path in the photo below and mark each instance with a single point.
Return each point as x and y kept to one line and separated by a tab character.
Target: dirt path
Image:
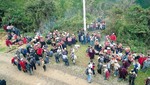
50	77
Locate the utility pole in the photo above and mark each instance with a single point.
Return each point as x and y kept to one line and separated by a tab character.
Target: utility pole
84	16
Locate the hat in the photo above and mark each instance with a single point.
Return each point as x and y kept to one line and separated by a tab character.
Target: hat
116	61
100	45
21	59
105	51
108	48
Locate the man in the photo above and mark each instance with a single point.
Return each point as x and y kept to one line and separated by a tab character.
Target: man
123	73
57	56
39	52
132	76
99	68
65	59
24	52
91	53
146	63
89	74
113	37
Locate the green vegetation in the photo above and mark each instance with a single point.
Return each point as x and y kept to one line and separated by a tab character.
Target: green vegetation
129	19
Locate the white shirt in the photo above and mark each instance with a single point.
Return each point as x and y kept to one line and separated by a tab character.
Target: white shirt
90	71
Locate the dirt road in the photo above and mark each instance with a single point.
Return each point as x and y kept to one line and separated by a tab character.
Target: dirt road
50	77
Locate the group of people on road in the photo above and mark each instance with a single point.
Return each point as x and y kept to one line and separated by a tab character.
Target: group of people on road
41	48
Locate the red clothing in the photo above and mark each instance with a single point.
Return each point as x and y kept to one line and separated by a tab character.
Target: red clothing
113	37
23	65
141	60
107	74
107	43
8	43
5	27
13	60
24	40
39	51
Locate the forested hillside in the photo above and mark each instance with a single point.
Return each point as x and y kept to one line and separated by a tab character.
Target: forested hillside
129	19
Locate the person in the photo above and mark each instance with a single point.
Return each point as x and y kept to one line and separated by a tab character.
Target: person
146	63
106	73
5	27
91	53
18	65
147	82
46	60
132	76
8	43
65	59
32	63
39	52
24	52
123	73
29	69
2	82
116	67
23	65
89	74
113	37
136	66
57	56
73	58
14	60
99	68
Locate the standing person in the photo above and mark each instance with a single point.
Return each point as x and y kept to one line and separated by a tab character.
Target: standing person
32	63
113	37
89	74
24	52
116	67
57	56
99	68
65	59
106	73
132	76
29	69
23	65
91	53
18	65
93	68
40	52
136	66
123	73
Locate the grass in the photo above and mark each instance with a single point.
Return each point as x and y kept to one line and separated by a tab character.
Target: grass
1	30
141	77
3	49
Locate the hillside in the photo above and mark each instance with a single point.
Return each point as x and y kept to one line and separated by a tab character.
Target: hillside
128	19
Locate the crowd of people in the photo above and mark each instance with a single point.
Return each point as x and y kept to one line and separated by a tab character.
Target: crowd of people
98	24
14	37
113	58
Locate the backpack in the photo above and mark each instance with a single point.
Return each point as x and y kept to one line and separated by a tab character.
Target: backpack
86	72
